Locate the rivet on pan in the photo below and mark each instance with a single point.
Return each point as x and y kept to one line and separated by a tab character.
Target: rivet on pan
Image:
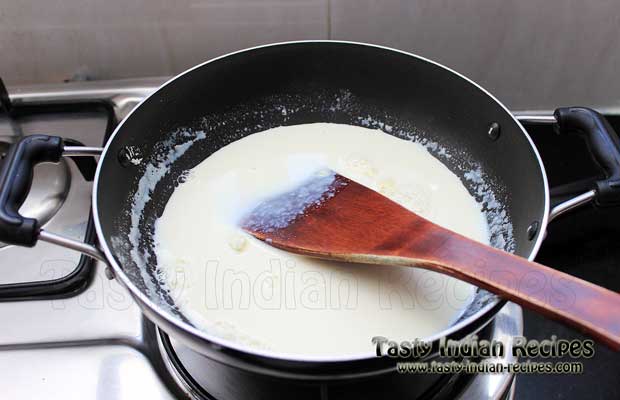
109	273
532	230
129	155
493	131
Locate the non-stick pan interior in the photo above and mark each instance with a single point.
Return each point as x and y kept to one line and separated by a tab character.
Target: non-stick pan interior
251	91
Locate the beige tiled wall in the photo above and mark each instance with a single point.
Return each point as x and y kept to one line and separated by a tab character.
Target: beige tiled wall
52	40
529	53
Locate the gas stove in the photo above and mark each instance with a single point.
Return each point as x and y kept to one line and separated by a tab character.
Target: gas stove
69	330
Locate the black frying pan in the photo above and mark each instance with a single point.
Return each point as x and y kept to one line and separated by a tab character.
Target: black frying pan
220	101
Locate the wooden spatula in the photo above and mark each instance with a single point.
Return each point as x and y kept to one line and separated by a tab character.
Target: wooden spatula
335	218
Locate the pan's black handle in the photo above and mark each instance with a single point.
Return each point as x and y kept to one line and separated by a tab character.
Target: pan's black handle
603	144
15	182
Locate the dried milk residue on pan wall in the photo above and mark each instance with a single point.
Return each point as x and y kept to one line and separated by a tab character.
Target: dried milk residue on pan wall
284	110
236	293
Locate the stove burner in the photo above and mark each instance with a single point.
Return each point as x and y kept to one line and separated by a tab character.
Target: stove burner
203	378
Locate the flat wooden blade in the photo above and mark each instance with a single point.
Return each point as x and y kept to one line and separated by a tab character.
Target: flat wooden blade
335	218
332	215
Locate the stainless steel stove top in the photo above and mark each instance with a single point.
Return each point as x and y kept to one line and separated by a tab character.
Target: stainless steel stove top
96	343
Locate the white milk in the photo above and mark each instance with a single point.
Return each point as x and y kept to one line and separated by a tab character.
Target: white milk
241	289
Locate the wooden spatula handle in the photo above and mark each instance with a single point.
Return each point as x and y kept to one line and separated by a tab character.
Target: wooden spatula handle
582	304
354	223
